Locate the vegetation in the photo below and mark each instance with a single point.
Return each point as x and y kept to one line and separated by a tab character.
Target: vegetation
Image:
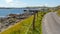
58	12
20	28
26	26
38	23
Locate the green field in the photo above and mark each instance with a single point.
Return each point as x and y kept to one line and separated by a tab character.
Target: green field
25	26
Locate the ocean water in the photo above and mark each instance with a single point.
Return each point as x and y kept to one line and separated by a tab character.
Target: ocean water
4	12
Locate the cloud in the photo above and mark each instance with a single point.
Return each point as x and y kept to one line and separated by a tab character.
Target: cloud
38	5
8	1
45	4
17	3
12	3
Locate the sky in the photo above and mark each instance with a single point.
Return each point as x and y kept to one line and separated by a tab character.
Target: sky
27	3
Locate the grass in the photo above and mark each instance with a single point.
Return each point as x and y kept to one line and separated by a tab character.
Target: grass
38	24
25	26
20	28
58	12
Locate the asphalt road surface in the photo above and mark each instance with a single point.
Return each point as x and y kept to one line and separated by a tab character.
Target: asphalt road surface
51	23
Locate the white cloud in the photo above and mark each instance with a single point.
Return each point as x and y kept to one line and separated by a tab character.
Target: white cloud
17	3
45	4
38	5
8	1
12	3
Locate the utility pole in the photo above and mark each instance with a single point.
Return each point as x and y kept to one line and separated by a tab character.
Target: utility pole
35	12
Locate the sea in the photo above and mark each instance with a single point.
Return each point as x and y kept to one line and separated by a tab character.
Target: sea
5	12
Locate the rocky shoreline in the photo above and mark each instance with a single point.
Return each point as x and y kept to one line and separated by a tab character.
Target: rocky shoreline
11	20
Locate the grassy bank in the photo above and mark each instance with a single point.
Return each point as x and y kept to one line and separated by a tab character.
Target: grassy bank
25	26
38	24
20	28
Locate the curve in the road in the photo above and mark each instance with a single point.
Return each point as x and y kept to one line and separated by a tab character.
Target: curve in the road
51	23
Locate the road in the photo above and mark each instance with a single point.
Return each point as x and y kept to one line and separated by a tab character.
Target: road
51	23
